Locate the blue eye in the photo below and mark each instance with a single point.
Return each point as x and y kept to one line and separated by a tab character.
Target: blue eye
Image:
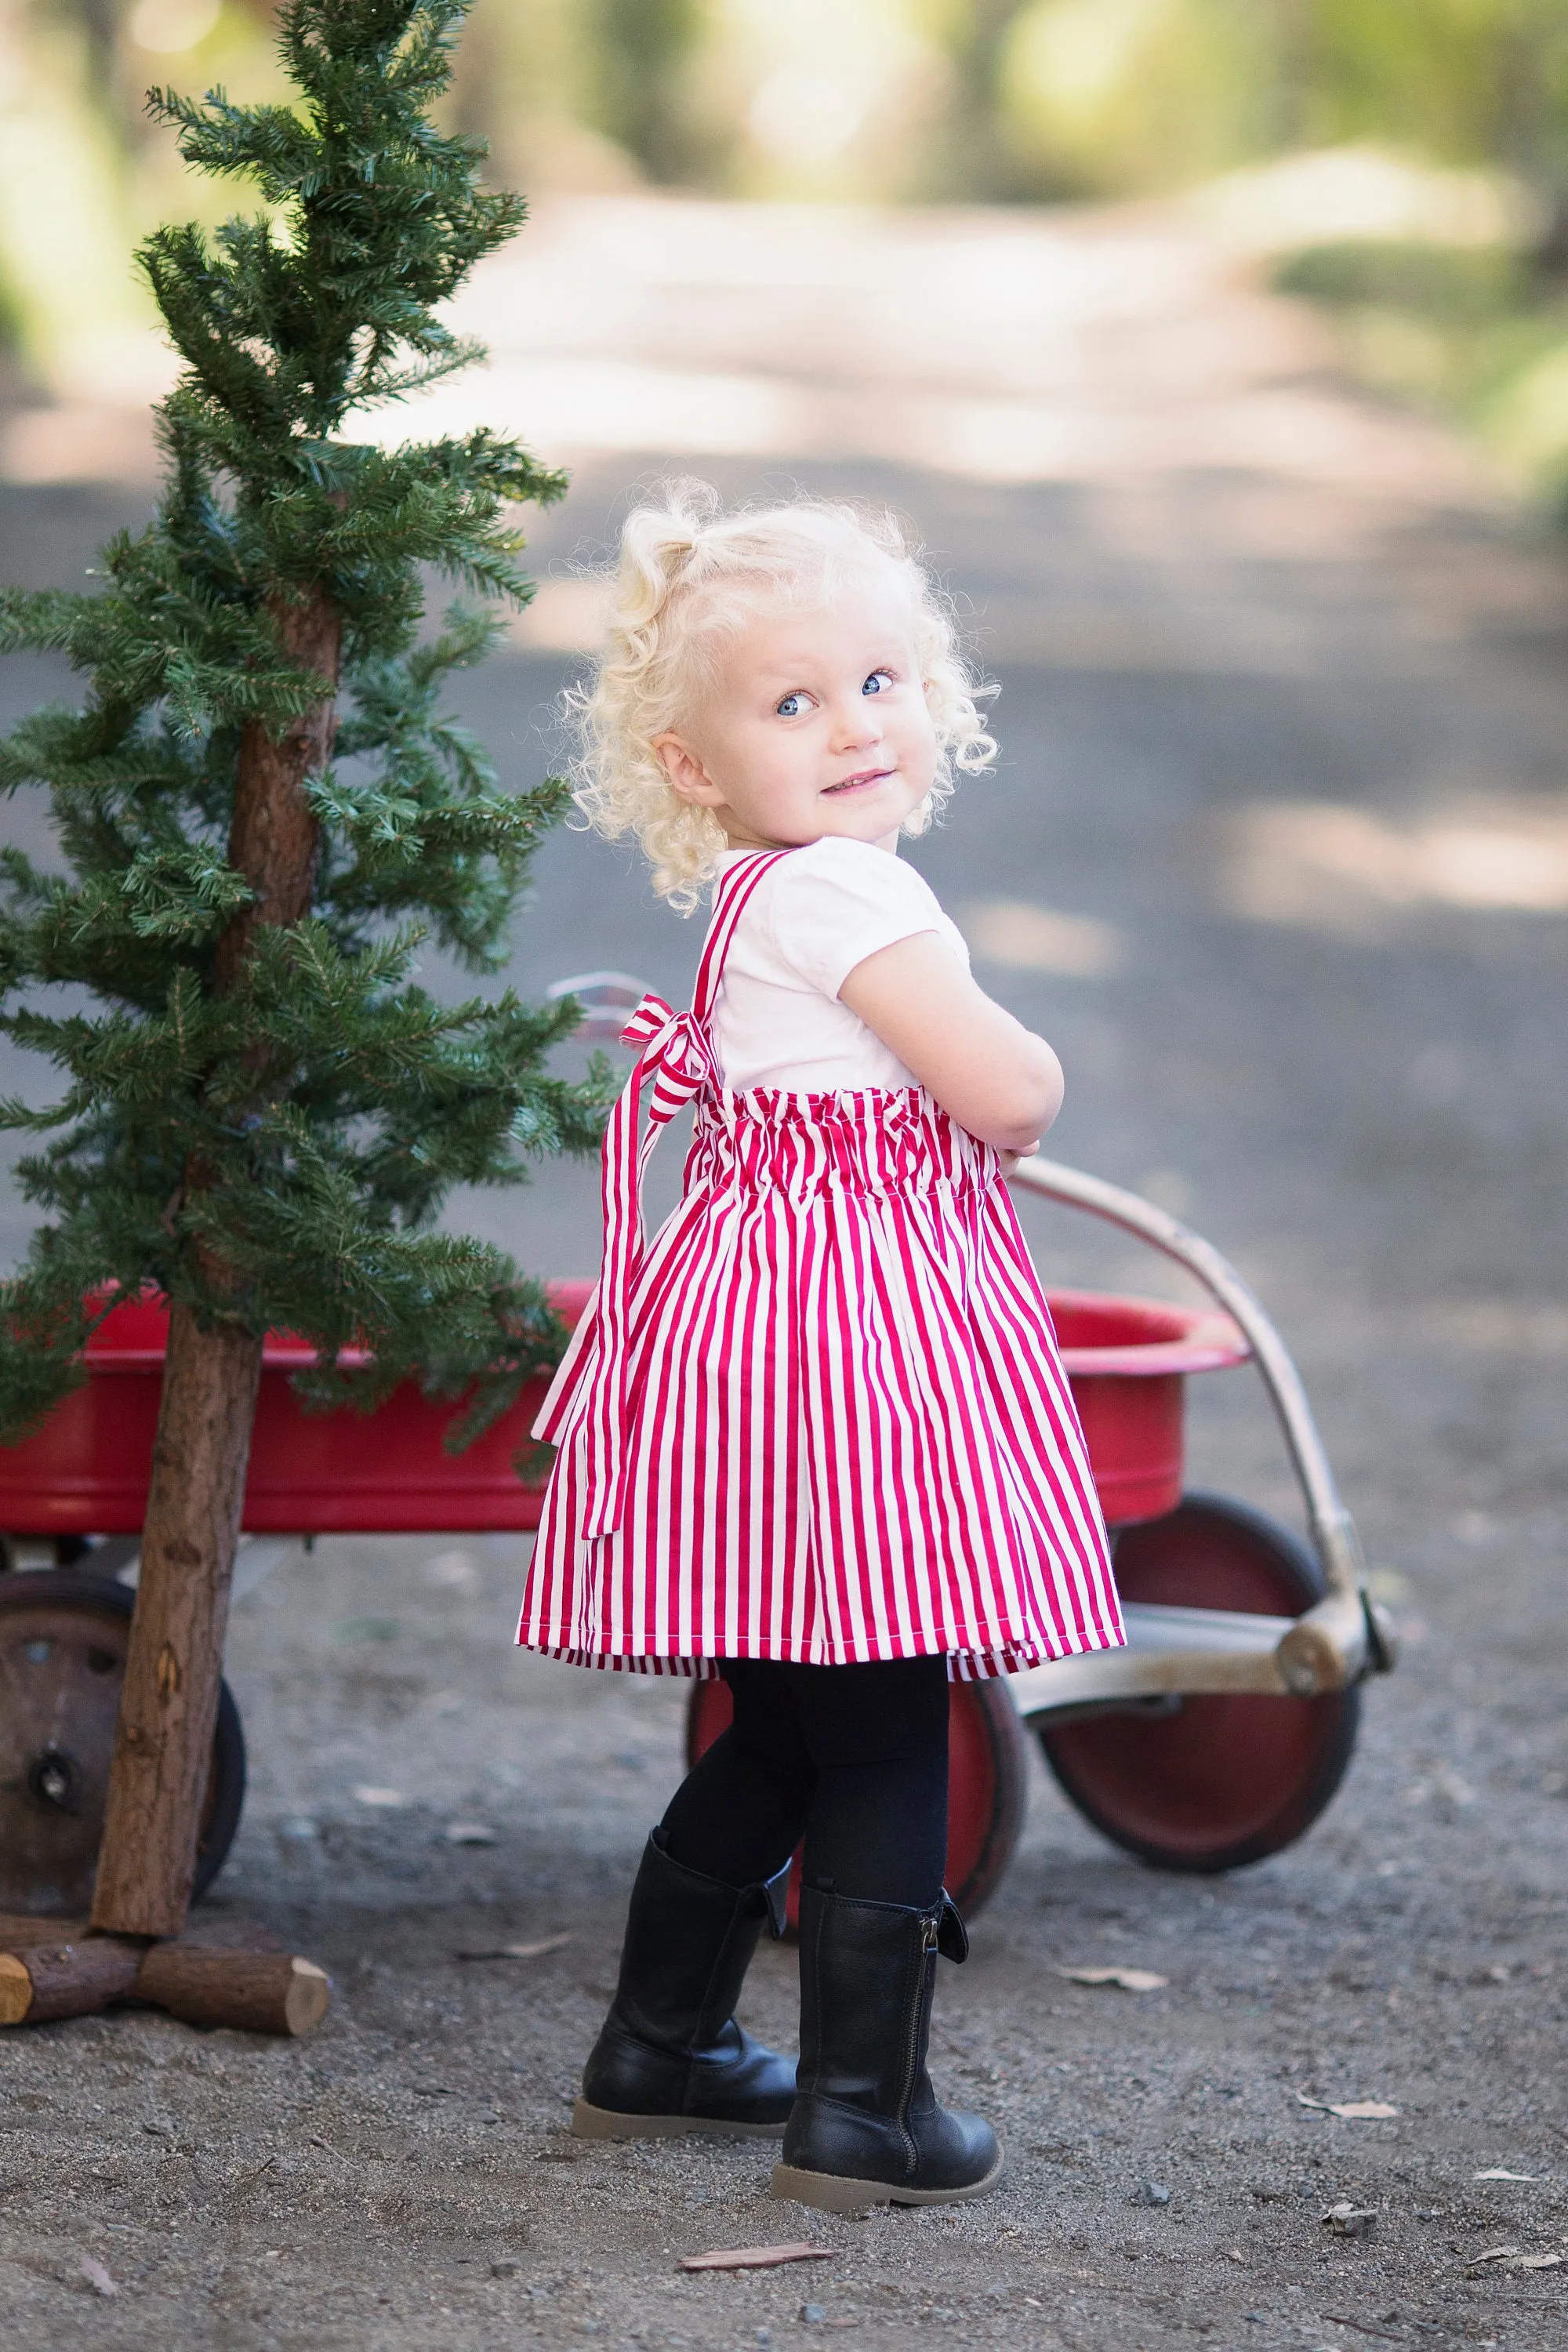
871	685
790	707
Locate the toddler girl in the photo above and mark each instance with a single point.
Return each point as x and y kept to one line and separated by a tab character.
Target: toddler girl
814	1436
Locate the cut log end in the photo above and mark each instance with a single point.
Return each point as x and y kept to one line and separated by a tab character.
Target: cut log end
16	1990
309	1996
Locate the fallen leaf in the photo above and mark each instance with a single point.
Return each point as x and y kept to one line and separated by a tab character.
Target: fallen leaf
97	2277
1509	2258
1126	1979
469	1834
1353	2111
388	1798
1496	2172
755	2258
517	1951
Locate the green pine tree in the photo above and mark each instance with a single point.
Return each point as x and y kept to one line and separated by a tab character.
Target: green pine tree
264	811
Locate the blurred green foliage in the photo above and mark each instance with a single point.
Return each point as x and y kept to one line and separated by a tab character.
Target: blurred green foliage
1114	97
640	53
1017	98
1466	81
1478	335
1451	286
901	100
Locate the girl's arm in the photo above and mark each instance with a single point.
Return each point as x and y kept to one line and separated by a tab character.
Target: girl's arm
986	1070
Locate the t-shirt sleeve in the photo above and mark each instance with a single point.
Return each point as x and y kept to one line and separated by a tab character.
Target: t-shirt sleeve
837	902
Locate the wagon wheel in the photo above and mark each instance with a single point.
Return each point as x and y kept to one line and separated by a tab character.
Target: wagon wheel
987	1783
63	1640
1210	1783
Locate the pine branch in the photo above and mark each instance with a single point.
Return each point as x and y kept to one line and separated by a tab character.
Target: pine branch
331	1103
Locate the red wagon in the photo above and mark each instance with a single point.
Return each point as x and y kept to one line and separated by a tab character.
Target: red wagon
1215	1738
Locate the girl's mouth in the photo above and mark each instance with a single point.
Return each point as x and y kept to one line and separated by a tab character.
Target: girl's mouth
857	783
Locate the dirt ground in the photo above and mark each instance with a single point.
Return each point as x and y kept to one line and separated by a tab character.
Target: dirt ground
1284	713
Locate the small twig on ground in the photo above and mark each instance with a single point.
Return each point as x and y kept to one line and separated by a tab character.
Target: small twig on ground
517	1951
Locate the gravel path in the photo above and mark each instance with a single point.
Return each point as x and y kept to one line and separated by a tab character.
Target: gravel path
1280	860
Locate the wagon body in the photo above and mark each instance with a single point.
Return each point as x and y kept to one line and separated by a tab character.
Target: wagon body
389	1472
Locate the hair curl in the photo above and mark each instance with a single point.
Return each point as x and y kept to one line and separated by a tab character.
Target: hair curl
690	575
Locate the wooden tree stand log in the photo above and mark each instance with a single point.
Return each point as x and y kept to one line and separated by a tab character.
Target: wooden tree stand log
45	1974
66	1979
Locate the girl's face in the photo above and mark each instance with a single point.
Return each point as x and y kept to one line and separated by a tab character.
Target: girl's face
815	724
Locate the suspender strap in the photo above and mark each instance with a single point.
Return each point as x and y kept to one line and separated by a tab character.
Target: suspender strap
675	1064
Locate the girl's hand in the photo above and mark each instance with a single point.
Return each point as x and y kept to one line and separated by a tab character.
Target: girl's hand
1010	1158
986	1070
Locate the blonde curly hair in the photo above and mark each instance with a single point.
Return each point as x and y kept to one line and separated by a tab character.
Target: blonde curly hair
690	575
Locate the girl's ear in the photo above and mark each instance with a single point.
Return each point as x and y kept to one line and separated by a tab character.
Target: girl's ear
689	779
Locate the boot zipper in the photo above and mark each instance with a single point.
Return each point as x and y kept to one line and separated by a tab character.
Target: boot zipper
928	1932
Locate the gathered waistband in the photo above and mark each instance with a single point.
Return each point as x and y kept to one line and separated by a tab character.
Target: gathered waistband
877	1140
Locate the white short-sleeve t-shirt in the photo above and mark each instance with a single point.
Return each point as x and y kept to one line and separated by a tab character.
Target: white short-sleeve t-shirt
820	912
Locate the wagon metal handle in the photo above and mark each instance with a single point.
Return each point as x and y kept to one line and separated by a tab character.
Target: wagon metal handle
1330	1645
607	999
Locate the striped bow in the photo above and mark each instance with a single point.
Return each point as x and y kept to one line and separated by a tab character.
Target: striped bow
675	1064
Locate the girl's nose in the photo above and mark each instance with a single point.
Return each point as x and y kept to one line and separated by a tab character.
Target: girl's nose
857	721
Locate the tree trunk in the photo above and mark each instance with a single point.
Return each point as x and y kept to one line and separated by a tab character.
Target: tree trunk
164	1744
162	1748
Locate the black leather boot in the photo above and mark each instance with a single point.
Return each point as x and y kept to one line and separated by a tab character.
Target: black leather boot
866	2128
670	2057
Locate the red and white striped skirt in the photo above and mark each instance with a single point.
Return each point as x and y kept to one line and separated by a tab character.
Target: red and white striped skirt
846	1434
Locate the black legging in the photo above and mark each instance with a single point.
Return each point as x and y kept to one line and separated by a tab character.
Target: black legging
855	1757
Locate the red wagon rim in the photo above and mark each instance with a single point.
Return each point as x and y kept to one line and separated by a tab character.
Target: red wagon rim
119	1342
1141	1338
1099	1331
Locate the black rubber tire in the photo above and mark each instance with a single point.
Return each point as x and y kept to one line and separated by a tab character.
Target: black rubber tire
225	1795
1222	1780
997	1727
225	1801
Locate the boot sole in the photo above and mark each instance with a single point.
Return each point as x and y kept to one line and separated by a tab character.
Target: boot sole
832	2192
604	2123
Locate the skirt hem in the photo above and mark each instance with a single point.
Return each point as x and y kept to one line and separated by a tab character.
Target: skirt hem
967	1661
